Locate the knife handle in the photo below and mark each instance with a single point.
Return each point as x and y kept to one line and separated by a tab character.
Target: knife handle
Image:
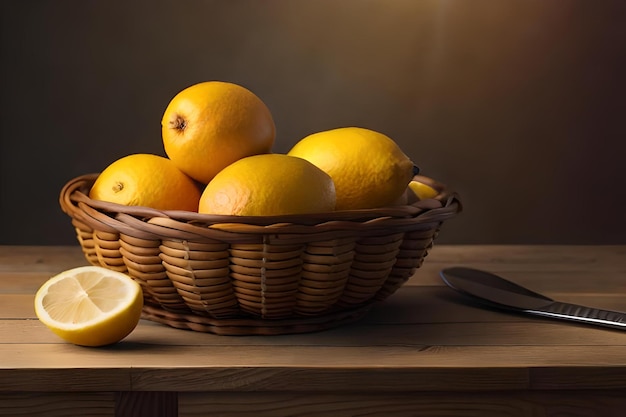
583	314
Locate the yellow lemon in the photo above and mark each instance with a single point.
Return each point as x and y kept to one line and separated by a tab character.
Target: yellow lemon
90	305
269	185
422	191
146	180
210	125
369	169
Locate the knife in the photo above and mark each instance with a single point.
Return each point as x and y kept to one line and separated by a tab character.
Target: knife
495	291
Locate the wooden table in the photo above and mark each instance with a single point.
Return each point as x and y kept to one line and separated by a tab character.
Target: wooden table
425	351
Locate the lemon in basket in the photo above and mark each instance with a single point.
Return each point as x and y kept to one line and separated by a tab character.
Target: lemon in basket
422	191
369	169
90	305
210	125
416	191
269	185
146	180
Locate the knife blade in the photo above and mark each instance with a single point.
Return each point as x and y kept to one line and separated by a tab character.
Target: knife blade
498	292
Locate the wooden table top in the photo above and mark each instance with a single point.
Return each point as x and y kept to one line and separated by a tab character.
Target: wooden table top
425	348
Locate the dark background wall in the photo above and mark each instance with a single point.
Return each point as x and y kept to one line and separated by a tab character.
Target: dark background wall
517	104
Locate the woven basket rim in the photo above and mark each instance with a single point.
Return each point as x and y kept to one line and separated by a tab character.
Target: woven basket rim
235	275
146	222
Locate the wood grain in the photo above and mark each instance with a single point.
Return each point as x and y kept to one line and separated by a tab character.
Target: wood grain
58	404
146	403
250	368
532	332
424	351
435	404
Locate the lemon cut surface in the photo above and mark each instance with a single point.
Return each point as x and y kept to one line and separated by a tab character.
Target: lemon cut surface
90	305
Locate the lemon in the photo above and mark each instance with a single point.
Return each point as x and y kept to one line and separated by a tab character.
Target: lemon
368	168
146	180
269	185
90	305
422	191
210	125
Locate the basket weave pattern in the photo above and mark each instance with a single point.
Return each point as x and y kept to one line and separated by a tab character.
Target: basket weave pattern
250	275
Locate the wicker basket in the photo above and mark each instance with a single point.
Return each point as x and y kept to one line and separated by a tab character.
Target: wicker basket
258	275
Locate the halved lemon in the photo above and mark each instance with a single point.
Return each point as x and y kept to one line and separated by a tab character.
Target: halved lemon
90	305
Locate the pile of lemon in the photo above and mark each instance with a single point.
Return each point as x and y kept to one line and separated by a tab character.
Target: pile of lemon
218	137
